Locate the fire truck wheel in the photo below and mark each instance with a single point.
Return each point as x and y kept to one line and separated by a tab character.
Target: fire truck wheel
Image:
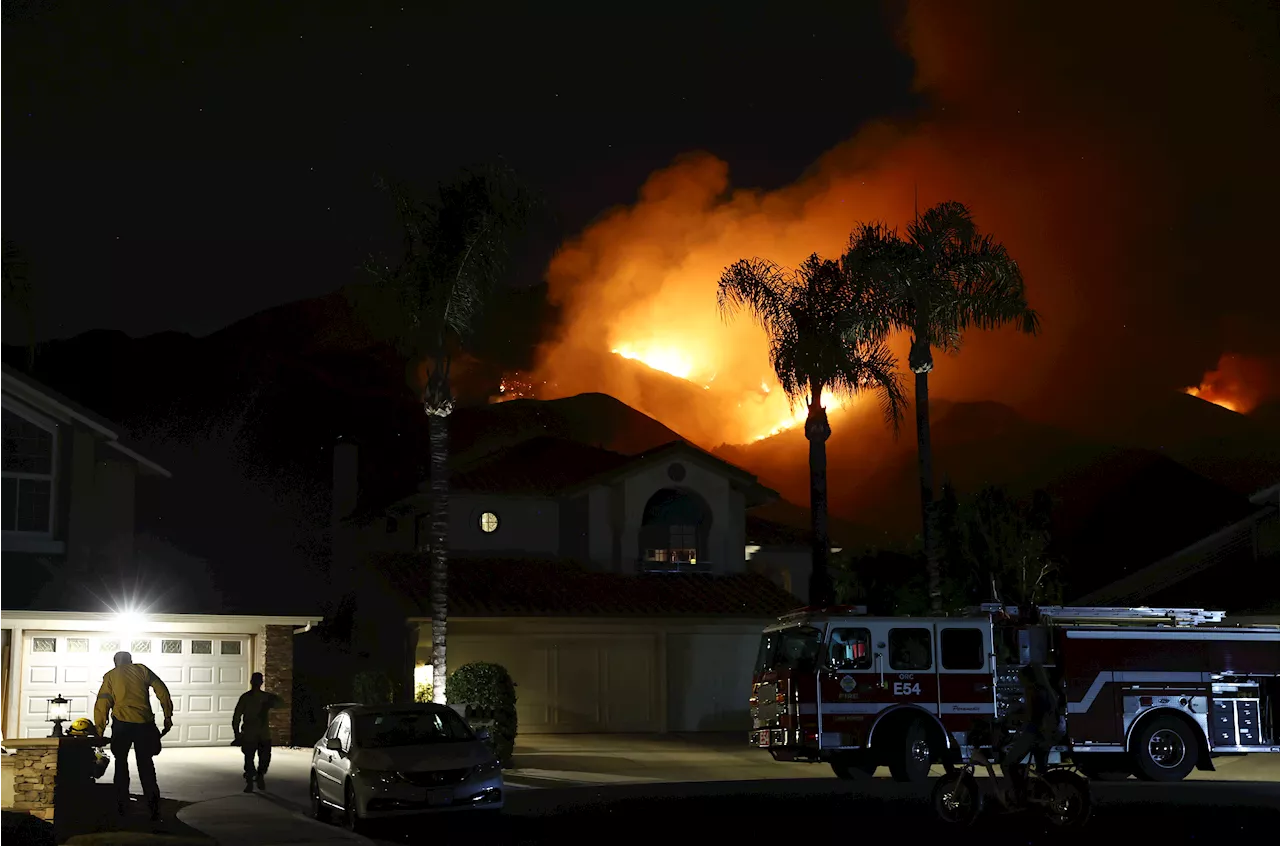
1165	749
911	762
853	768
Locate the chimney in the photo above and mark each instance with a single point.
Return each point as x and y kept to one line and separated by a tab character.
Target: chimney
346	479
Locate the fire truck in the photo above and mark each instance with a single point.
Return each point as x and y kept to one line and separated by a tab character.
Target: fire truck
1148	692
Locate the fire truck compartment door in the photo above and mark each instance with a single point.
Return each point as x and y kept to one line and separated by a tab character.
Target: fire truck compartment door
965	668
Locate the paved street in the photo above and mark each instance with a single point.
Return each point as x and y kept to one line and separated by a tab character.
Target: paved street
571	788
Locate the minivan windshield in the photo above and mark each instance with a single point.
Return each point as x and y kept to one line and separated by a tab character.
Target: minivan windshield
795	648
410	728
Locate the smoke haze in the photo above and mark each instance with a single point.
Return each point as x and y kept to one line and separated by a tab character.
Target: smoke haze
1126	172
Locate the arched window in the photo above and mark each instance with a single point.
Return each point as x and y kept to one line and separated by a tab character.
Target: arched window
29	467
673	531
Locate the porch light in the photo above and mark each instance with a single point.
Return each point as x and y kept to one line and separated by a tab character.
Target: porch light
59	712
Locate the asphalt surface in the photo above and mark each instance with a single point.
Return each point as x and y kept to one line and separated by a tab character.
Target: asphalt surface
821	809
571	790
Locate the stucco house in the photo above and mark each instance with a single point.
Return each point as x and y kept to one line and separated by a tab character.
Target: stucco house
69	541
615	588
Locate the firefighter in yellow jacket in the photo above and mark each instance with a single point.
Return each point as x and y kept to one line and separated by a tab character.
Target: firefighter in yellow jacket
126	695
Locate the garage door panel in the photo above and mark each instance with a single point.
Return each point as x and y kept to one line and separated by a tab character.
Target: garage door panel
205	676
708	681
577	685
628	686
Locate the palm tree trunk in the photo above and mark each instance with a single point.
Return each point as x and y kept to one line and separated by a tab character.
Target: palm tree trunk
438	426
924	454
817	429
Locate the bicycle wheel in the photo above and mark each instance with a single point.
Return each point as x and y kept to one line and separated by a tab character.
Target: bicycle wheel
1071	802
957	798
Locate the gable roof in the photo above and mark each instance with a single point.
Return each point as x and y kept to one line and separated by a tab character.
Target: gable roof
25	388
551	466
546	588
539	466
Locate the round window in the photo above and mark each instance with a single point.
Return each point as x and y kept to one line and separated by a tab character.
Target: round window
676	472
488	522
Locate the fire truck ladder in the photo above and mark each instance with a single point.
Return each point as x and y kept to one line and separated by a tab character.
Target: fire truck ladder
1088	614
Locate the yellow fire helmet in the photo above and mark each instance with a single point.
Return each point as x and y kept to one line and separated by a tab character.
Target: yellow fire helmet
82	726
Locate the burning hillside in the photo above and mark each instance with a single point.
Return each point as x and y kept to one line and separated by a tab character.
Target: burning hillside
1237	384
1033	141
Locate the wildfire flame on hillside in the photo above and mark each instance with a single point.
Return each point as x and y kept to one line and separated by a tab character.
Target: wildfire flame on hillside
1237	384
675	362
1034	147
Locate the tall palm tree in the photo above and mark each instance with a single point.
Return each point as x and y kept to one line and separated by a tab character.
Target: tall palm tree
454	255
945	277
821	322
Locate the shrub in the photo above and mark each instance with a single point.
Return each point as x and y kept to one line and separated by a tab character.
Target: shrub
373	687
423	692
488	688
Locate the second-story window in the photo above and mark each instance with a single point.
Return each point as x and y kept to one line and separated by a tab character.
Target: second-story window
28	475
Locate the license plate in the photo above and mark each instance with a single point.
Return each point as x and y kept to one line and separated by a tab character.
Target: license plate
439	797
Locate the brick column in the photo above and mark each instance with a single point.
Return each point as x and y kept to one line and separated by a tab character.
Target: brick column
277	666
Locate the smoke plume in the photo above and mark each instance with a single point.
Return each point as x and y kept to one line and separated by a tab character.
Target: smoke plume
1124	153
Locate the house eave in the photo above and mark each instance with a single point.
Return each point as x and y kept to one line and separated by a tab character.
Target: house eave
95	621
30	391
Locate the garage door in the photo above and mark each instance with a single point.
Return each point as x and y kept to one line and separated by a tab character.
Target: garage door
574	683
205	675
709	681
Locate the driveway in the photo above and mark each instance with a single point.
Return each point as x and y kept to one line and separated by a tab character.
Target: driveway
201	774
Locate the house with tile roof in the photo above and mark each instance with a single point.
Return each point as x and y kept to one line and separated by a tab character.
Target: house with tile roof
617	589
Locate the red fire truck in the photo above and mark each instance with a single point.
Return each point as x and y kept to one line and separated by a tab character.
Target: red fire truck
1148	692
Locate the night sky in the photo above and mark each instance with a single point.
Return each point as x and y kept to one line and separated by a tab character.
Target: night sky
181	166
179	170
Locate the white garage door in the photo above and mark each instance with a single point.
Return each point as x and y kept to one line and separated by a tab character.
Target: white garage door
573	683
709	681
205	675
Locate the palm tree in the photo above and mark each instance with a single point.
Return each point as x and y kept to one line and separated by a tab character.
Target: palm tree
819	321
454	255
943	278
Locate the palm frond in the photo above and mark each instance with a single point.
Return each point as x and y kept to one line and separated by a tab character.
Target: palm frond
873	367
761	287
454	255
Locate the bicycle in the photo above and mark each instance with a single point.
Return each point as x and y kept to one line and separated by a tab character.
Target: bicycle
1060	794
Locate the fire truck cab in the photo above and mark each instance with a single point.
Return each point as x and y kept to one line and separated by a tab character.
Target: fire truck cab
1149	692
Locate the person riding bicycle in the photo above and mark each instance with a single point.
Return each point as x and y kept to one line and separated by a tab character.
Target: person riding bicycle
1038	729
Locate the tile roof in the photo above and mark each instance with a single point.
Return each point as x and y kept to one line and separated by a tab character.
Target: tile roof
543	588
